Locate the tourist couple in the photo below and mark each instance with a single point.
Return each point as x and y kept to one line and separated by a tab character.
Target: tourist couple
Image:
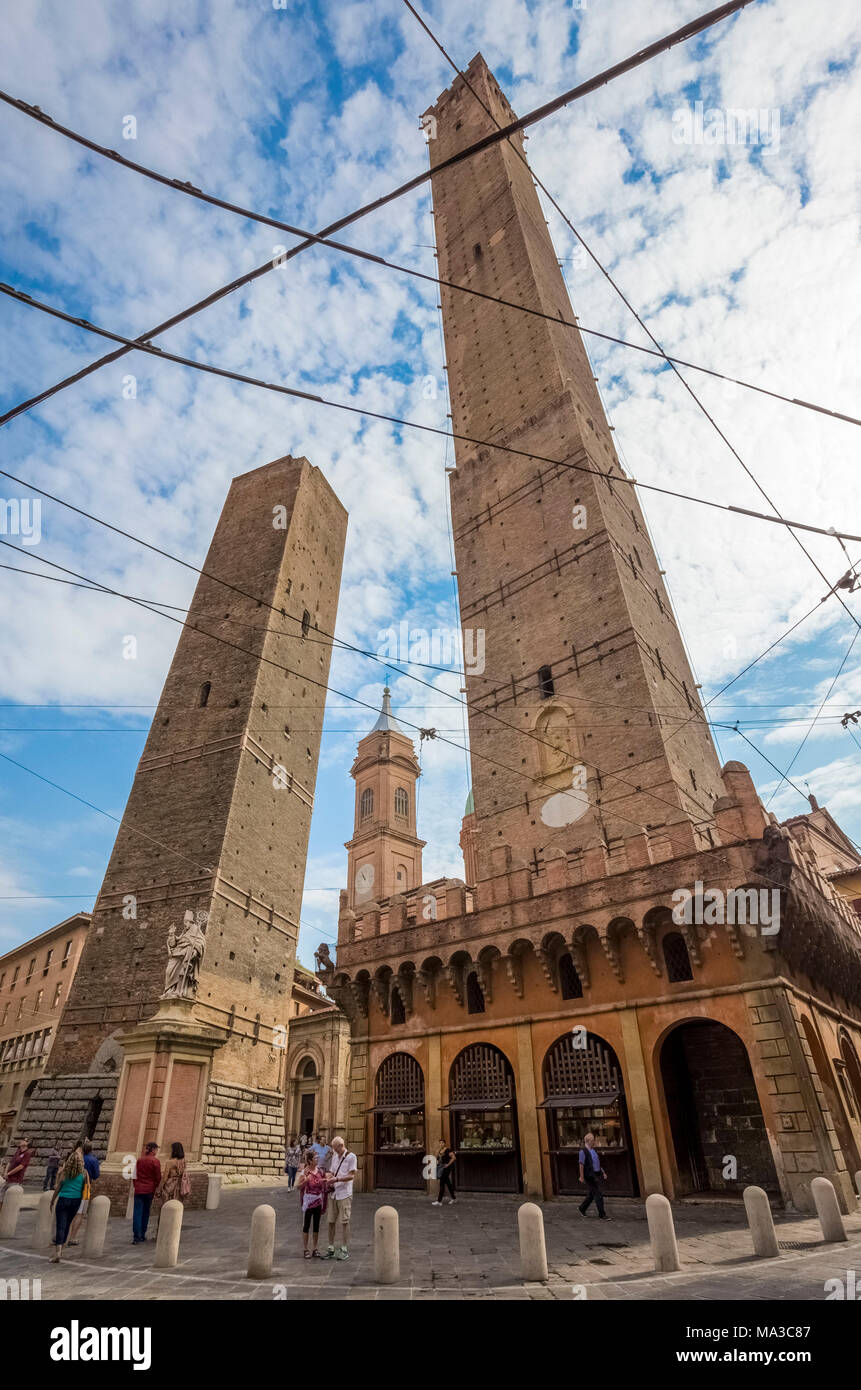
318	1184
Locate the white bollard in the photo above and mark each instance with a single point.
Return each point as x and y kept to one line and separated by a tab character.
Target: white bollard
662	1234
827	1210
11	1207
213	1192
130	1204
387	1253
761	1222
97	1224
43	1232
262	1247
169	1231
533	1251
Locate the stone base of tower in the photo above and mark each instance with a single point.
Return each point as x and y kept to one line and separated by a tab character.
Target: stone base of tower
63	1108
244	1130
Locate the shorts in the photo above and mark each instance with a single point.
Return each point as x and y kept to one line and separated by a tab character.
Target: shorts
340	1208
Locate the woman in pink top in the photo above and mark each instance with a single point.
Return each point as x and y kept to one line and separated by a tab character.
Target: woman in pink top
314	1186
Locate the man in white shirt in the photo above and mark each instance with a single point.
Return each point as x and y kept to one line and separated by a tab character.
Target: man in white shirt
341	1172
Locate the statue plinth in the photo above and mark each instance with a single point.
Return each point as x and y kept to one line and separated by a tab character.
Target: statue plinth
167	1062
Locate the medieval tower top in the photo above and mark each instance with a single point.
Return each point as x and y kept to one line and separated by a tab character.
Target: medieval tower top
586	726
385	854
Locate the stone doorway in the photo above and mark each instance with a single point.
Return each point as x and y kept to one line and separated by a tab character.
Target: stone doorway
716	1125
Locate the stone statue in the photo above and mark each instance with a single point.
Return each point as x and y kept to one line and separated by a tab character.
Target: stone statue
184	954
323	959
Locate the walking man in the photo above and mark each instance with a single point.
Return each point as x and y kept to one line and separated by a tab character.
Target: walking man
342	1170
590	1172
16	1168
52	1168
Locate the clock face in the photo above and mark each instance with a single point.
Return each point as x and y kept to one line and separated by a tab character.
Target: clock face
364	880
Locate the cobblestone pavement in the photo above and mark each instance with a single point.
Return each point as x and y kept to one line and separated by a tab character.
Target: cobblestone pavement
468	1251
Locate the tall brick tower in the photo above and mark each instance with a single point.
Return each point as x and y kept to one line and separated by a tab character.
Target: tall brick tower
583	655
216	825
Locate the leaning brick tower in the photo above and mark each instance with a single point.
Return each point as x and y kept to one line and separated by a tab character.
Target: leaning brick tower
216	825
583	653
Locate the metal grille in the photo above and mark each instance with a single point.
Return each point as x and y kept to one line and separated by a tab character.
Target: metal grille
481	1072
580	1071
400	1081
676	956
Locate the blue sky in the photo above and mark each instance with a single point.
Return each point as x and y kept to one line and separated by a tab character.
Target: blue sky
741	257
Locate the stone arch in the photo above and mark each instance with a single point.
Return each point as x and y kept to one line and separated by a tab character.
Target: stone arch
304	1052
558	743
853	1067
716	1132
583	1091
483	1111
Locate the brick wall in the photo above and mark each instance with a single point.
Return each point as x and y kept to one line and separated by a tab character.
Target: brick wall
243	1130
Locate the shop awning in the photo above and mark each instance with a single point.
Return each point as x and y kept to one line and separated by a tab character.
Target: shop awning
395	1109
581	1102
494	1103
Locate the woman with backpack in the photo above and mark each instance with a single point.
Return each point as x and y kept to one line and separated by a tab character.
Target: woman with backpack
175	1184
73	1185
313	1184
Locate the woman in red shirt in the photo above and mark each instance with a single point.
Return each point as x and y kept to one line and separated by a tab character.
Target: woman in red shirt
314	1187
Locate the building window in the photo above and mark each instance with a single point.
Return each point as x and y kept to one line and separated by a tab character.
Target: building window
38	1004
48	958
15	976
306	623
310	1068
474	995
402	802
398	1011
2	978
545	682
5	1012
203	698
21	1002
30	968
366	805
57	992
676	957
66	954
572	986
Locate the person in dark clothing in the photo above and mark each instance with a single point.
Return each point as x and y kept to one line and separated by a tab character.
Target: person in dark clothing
590	1172
445	1162
146	1180
52	1168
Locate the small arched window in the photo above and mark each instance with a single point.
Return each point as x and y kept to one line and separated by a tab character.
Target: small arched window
572	986
474	995
203	699
546	687
306	622
676	957
366	805
310	1068
398	1011
402	802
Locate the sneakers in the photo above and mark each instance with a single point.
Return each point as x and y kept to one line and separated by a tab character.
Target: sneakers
436	1204
342	1254
330	1253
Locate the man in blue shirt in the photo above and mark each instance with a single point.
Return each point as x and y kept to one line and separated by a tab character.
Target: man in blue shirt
590	1172
93	1171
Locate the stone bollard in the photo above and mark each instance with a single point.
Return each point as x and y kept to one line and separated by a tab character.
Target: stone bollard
11	1207
858	1184
387	1252
662	1233
262	1247
43	1233
827	1210
533	1252
169	1231
761	1222
130	1204
213	1192
97	1224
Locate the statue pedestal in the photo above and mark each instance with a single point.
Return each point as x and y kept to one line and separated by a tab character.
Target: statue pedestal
163	1085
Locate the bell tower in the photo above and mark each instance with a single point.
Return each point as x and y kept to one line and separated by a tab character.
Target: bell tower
385	854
